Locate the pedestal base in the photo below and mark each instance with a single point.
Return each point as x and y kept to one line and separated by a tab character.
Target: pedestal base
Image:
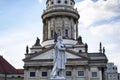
57	78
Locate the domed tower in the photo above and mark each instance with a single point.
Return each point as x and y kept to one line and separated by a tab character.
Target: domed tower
60	18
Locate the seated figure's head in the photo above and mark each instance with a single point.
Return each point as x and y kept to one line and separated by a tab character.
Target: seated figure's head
59	39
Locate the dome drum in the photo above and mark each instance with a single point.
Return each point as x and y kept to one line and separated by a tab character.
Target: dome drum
50	3
60	13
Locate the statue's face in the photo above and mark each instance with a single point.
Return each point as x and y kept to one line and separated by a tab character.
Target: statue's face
59	39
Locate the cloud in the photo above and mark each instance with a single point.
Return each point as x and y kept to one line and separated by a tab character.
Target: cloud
40	1
94	11
106	29
13	42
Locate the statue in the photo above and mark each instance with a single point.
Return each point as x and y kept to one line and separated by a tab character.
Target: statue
59	60
103	50
55	36
100	47
37	43
86	47
27	49
79	40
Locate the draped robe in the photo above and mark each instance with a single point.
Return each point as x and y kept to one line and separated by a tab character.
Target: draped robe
59	58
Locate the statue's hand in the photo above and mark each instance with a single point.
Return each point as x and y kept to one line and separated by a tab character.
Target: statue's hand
64	46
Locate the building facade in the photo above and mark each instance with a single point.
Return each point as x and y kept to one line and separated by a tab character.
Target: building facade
118	76
8	72
60	18
112	72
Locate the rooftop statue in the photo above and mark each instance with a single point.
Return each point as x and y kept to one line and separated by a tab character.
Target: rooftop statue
37	43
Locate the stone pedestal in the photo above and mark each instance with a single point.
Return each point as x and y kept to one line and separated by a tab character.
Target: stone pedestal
57	78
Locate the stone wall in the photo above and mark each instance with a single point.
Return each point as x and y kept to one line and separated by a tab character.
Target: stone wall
71	73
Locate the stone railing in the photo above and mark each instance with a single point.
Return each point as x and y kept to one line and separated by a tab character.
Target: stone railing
60	7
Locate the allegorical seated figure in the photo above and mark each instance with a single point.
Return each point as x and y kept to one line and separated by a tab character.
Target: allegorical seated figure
59	59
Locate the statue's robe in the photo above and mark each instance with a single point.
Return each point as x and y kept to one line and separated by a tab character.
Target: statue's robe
59	58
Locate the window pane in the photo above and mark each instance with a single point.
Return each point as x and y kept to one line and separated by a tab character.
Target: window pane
80	73
44	74
68	73
94	74
32	74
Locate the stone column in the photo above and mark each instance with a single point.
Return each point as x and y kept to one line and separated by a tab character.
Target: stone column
49	31
71	28
46	30
76	29
44	24
103	73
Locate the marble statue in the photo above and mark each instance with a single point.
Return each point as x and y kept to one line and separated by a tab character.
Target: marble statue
59	60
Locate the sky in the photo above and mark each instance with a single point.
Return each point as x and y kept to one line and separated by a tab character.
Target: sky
21	23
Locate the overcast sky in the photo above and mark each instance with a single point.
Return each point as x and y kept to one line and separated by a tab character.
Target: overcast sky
21	23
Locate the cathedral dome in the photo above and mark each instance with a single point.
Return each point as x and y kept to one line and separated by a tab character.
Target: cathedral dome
60	19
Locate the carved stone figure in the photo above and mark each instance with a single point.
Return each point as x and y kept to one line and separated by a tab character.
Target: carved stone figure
79	40
103	50
27	49
86	47
59	60
37	43
55	36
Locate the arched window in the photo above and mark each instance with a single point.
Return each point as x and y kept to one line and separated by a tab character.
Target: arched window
52	2
52	34
71	3
66	33
66	2
59	32
58	1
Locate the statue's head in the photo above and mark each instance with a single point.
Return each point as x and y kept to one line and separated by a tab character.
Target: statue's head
59	39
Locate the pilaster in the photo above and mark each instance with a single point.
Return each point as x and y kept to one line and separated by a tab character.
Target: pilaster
74	72
72	32
37	73
100	73
26	74
87	72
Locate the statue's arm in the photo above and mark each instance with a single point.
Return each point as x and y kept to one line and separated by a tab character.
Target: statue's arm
61	48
